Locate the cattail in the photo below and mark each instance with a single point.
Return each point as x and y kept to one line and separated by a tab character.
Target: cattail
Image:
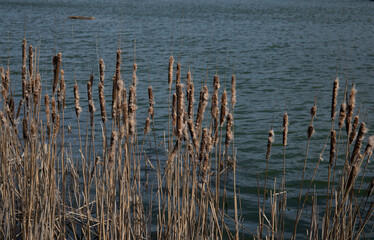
342	114
151	102
56	126
188	82
113	143
170	73
102	101
358	144
233	91
91	106
180	110
191	100
191	128
37	89
178	76
204	95
132	109
334	98
147	126
214	107
101	70
174	110
114	97
352	175
229	135
313	111
47	109
369	146
285	128
24	128
125	109
370	187
56	70
24	52
6	83
31	61
310	130
353	135
53	109
118	66
223	108
134	77
62	91
131	128
78	109
203	145
332	147
350	107
270	142
33	130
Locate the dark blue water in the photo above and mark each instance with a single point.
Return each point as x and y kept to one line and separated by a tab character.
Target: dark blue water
282	52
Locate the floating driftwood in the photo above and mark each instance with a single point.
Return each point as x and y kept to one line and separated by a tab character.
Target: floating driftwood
81	17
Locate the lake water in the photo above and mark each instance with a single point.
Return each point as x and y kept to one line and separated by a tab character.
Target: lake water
283	53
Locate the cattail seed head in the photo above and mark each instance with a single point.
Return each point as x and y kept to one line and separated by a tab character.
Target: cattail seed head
150	96
223	108
204	95
62	90
191	100
134	77
170	72
229	134
353	134
233	91
332	147
358	144
334	98
102	101
270	142
313	111
342	114
191	128
352	175
214	107
31	62
125	109
24	51
369	146
178	76
56	125
203	145
54	110
310	130
24	128
180	110
24	82
174	110
56	70
147	126
350	107
78	109
37	89
101	70
188	80
114	97
113	143
285	128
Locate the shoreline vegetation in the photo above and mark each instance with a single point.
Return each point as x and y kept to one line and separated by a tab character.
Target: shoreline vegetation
104	191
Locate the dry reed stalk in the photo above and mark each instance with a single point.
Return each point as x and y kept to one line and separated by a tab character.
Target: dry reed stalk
102	101
334	98
350	107
62	91
342	114
358	144
180	110
353	135
204	95
78	109
223	108
229	134
174	110
170	71
56	70
233	90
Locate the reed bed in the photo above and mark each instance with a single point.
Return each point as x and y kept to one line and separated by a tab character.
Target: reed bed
51	190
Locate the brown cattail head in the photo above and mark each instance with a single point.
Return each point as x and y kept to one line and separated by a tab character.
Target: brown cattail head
178	76
233	91
91	106
270	142
37	89
174	110
102	69
223	107
56	125
358	144
204	142
24	82
180	110
334	98
188	81
24	128
102	101
352	175
369	146
191	128
350	107
54	110
285	128
229	134
313	111
214	108
62	90
56	70
353	134
125	109
310	130
114	97
113	143
170	73
191	100
47	109
24	52
204	95
78	109
342	114
31	63
147	126
134	77
332	147
150	96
